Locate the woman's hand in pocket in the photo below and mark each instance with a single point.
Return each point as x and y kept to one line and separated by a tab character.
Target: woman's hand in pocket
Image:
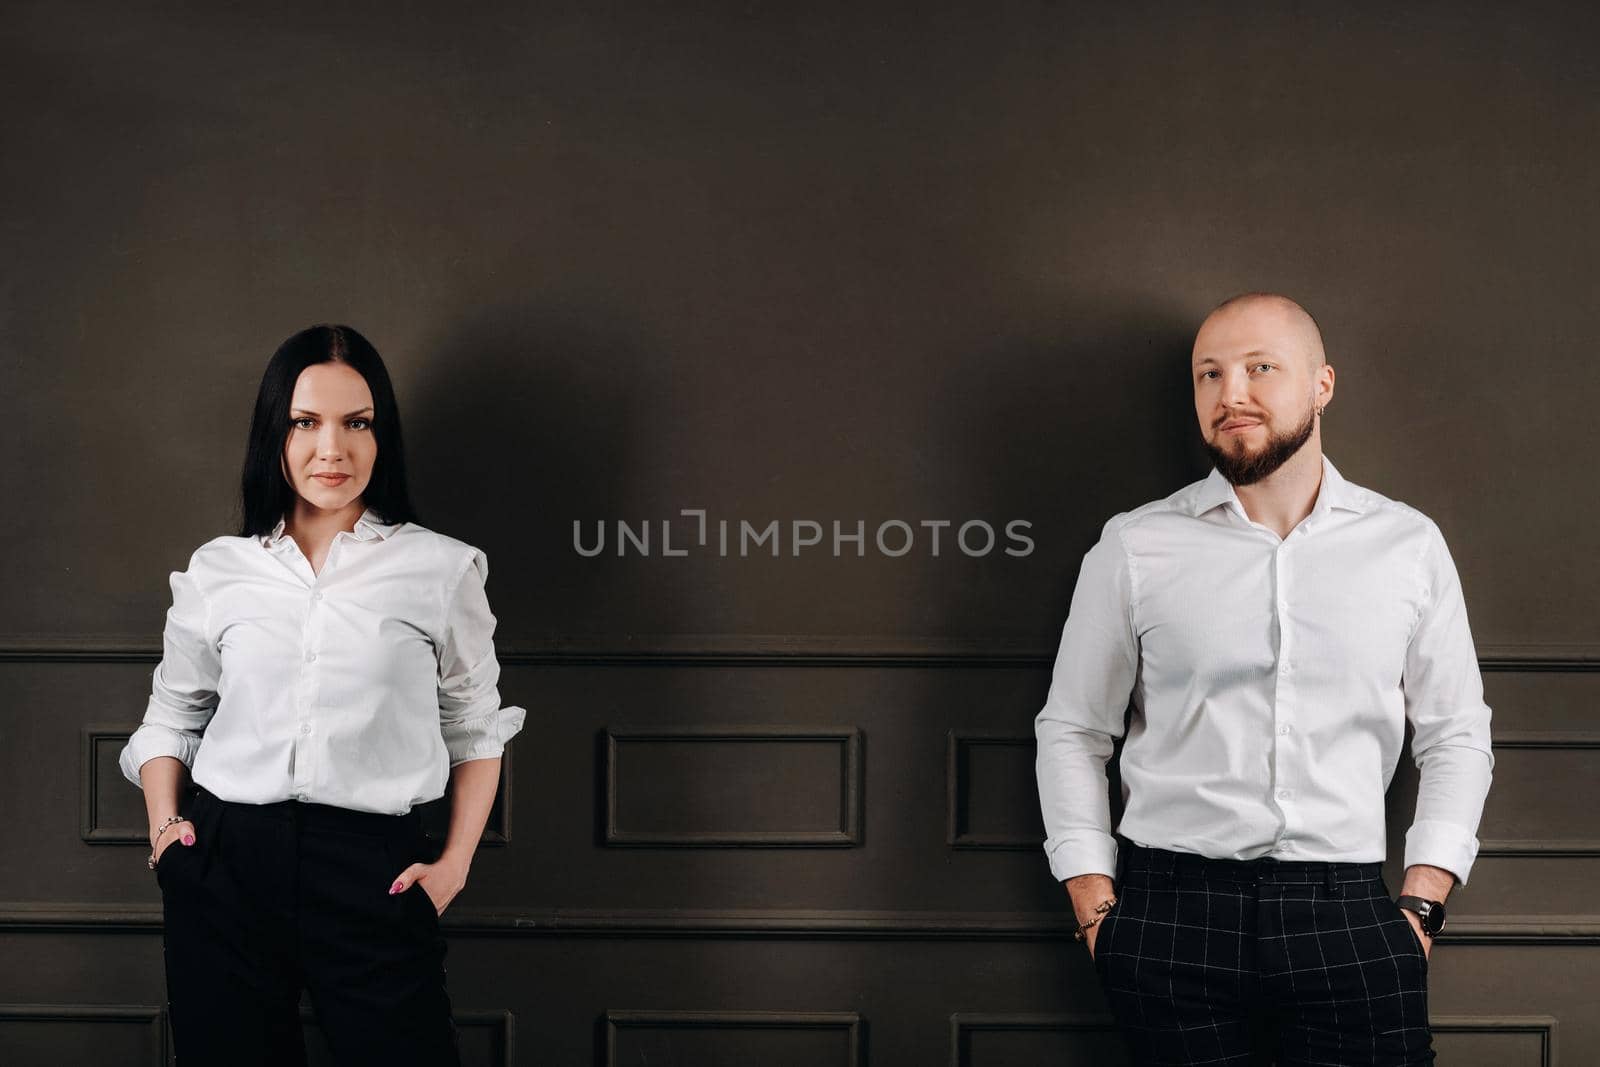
180	834
441	881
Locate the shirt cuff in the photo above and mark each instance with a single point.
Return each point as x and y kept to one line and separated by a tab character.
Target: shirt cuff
152	740
1083	852
482	738
1441	844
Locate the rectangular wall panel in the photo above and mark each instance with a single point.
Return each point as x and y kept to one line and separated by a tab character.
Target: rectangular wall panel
112	809
50	1035
485	1038
1496	1042
773	786
980	1040
1091	1041
733	1039
1540	804
993	796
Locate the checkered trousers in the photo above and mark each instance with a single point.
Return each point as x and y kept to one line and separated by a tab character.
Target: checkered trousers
1261	962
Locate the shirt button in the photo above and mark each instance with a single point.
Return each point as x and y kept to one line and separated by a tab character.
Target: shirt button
311	657
305	728
1285	794
300	797
316	596
1283	730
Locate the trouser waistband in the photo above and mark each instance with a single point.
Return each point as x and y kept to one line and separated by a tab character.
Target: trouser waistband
1132	858
319	816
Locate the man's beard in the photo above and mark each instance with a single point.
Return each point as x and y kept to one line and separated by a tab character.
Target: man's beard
1248	468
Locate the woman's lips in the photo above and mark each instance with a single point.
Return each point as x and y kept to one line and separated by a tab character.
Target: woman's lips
331	479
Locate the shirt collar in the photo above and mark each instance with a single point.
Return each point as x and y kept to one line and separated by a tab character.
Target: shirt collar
369	527
1334	492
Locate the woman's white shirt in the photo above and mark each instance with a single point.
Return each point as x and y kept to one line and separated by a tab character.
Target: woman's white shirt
358	687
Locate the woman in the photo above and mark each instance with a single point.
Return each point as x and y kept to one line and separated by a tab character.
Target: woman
323	672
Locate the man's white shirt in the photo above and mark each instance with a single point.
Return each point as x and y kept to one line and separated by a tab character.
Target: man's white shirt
1271	680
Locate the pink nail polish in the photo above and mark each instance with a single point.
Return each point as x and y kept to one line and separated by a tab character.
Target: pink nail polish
188	839
394	889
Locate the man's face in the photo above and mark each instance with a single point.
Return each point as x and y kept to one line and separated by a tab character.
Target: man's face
1254	387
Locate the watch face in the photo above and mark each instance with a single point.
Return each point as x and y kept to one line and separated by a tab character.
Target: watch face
1429	913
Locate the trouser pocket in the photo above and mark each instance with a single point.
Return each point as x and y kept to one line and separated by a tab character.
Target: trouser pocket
405	846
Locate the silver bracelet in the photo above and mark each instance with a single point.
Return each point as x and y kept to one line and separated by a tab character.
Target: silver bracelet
169	821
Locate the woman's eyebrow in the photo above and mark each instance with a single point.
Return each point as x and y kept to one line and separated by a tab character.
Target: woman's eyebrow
308	411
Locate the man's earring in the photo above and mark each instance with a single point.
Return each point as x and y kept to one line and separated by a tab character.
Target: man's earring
1319	411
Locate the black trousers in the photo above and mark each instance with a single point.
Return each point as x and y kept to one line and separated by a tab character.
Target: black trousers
272	899
1261	962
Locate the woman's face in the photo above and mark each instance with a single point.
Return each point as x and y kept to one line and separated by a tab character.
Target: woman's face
330	434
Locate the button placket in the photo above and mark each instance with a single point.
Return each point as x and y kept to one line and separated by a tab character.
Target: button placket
306	699
1285	746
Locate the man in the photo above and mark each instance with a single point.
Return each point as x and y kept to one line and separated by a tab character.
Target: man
1275	627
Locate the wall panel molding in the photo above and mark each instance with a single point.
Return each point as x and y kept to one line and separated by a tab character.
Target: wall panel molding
1557	847
152	1019
848	1023
959	749
963	1025
825	925
93	828
499	1023
97	830
149	1019
845	824
741	650
1541	1026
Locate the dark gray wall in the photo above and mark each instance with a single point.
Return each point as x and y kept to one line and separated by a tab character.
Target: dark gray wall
784	262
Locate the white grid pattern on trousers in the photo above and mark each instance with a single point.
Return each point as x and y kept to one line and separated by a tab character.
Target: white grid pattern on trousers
1215	962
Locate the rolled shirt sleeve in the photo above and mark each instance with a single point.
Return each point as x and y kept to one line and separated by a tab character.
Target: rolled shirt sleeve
474	724
183	692
1084	712
1450	723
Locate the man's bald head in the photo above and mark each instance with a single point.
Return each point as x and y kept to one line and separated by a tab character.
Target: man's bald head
1261	381
1276	311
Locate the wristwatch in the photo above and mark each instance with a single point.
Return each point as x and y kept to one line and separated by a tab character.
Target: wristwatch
1431	912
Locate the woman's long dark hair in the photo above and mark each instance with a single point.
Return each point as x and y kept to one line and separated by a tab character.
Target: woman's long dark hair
265	495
